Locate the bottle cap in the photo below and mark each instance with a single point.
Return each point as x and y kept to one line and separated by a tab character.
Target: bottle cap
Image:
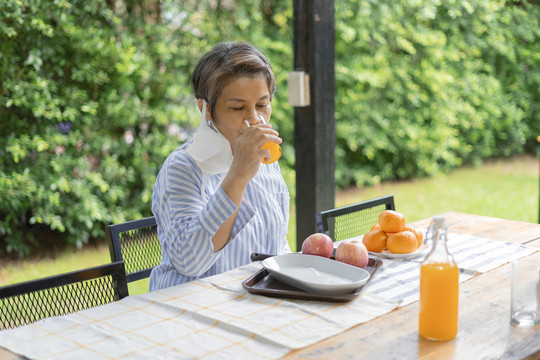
439	219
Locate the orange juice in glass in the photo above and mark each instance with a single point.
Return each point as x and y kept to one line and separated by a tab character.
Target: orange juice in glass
275	149
439	289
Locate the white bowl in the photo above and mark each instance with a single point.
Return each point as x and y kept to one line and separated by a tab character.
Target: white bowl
315	273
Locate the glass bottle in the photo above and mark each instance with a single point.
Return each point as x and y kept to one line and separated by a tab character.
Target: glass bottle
439	288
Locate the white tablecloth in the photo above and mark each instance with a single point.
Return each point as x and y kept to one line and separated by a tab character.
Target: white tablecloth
215	318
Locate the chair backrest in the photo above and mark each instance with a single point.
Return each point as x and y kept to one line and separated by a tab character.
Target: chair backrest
136	244
353	220
30	301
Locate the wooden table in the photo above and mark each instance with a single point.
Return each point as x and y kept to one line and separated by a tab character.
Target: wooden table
484	330
484	313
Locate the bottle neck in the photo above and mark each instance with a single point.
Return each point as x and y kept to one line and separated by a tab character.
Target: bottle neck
439	249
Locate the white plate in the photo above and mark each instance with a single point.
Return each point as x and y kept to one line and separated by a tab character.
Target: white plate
388	255
315	273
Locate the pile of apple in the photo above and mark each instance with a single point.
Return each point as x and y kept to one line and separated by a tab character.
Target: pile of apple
352	252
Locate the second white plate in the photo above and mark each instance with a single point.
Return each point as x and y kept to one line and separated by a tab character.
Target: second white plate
315	273
388	255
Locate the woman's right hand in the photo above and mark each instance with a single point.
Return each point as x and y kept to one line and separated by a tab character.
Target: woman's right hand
247	152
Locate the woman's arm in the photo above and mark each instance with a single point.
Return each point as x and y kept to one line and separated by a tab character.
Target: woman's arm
188	222
247	159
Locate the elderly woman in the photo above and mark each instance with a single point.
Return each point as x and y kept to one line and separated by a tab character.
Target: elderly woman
214	201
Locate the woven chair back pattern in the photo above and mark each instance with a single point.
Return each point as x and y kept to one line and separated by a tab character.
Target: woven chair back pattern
353	220
28	302
141	249
354	224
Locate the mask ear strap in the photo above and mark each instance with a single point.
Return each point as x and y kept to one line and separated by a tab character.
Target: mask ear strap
209	123
203	112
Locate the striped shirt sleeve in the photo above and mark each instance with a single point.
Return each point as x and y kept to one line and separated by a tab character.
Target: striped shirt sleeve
192	221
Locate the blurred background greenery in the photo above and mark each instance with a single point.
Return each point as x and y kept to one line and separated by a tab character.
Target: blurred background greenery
94	94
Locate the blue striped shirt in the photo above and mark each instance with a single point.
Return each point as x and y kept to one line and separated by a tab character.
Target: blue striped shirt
189	215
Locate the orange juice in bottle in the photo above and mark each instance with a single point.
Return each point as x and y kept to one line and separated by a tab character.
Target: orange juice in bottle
439	288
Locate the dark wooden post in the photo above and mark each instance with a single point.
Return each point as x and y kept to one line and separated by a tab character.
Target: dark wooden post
538	156
314	125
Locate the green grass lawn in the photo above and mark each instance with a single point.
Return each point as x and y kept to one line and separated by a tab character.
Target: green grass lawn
500	188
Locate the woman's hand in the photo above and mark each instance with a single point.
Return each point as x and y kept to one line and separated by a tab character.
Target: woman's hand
247	152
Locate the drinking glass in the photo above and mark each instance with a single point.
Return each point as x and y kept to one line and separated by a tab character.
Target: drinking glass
525	293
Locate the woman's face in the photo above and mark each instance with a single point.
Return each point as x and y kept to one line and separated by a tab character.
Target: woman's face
243	98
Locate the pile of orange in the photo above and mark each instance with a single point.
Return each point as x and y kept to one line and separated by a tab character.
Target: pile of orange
392	234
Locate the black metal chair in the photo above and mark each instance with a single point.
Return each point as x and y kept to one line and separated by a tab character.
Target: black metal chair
353	220
136	244
30	301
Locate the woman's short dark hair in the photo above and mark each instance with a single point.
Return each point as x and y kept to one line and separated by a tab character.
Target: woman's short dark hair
226	62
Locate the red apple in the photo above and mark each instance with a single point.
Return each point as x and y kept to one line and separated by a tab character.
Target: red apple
352	252
318	244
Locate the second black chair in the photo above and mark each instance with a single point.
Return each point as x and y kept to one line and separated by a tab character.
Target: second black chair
353	220
136	244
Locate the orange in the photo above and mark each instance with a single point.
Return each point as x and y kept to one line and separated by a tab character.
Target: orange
375	227
375	240
391	221
417	233
403	242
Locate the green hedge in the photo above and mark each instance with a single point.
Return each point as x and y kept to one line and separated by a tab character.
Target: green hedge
92	99
424	86
83	113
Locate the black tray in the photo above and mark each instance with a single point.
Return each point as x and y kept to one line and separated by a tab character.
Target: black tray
262	283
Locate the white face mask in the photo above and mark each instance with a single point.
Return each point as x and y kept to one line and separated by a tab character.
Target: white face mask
210	149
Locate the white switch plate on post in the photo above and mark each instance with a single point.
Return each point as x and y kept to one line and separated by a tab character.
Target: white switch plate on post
298	86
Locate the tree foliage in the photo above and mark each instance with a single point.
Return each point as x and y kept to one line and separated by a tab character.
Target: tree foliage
94	94
424	86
